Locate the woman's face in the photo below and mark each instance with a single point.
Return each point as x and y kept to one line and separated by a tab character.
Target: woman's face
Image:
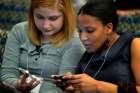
48	21
92	32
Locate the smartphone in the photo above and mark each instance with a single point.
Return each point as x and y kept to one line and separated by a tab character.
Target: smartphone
63	82
23	71
30	75
37	88
56	76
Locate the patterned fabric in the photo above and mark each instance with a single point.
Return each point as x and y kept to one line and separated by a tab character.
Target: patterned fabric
130	23
12	12
3	37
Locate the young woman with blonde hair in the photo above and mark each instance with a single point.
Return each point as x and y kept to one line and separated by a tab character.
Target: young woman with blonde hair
43	46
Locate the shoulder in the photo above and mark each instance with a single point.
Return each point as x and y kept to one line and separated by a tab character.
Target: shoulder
135	49
127	35
135	43
19	31
75	42
125	38
21	27
75	39
73	45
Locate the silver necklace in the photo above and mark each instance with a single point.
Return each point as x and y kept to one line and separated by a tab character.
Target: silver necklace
94	61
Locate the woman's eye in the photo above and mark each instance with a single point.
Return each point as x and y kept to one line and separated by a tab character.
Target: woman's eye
86	30
90	31
53	18
40	17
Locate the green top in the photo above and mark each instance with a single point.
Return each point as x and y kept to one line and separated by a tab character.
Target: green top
43	62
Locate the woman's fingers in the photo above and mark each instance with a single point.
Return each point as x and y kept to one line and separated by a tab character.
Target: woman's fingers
74	81
70	88
26	83
23	78
36	83
33	83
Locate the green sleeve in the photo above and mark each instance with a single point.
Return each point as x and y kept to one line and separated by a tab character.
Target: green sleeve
9	69
71	57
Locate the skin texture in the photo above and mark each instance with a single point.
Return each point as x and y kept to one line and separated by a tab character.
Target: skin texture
24	86
93	34
49	36
48	21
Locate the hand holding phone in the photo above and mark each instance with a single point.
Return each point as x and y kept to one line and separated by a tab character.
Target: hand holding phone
28	82
59	80
56	76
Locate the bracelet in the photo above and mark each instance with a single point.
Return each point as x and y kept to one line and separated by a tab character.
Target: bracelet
127	88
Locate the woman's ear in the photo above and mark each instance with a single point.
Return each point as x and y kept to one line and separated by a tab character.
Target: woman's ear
109	28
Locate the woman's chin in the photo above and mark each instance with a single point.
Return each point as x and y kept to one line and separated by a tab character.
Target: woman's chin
90	50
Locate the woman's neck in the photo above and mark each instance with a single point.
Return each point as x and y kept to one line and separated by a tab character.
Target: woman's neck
45	39
109	42
112	39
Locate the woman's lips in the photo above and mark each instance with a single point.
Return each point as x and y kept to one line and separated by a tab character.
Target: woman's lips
87	46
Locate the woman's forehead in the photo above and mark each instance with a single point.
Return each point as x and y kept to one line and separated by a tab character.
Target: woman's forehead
86	20
45	10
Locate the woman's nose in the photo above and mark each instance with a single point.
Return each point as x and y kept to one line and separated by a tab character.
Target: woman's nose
83	36
46	24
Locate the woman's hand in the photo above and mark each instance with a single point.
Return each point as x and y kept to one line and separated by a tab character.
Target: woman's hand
81	82
24	85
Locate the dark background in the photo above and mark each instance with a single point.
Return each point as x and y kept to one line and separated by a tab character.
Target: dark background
127	4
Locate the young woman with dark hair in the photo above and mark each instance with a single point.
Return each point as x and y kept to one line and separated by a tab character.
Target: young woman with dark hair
111	63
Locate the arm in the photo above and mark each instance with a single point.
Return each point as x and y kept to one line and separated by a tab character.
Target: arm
10	67
71	57
83	82
135	66
135	60
88	83
9	72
